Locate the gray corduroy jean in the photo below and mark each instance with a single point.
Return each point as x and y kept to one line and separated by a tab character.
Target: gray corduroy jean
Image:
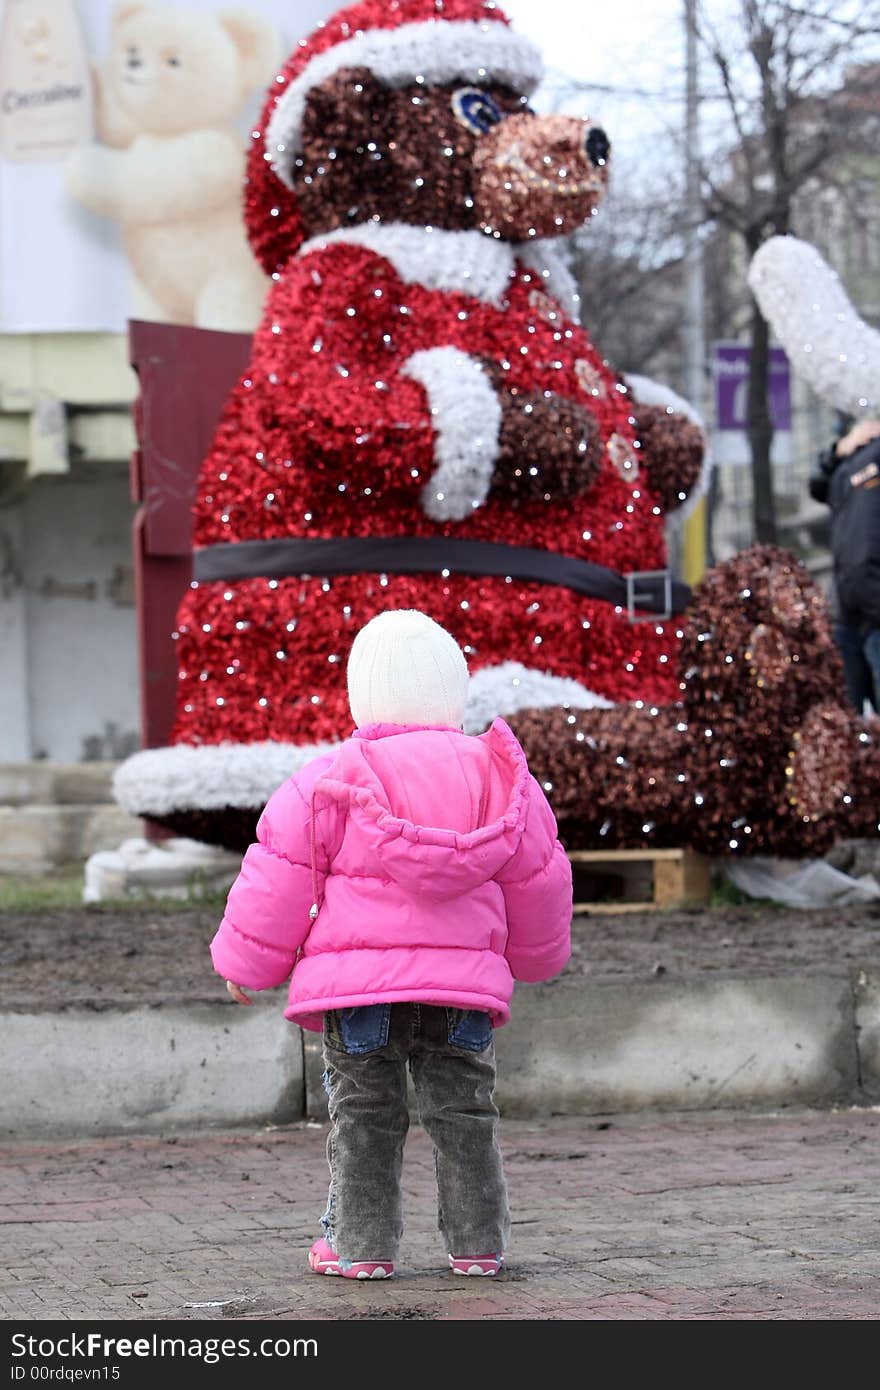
451	1057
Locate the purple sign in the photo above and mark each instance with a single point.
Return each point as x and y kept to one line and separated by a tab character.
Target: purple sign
730	369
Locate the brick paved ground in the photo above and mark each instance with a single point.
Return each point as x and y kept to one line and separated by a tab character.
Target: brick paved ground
714	1217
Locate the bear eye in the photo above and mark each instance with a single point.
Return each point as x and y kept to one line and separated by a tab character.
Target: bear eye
475	110
174	61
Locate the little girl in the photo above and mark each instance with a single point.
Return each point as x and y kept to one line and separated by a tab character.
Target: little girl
406	880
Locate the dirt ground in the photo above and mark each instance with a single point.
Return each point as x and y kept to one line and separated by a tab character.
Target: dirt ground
99	956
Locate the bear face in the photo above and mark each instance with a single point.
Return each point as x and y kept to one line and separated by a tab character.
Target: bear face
171	70
451	156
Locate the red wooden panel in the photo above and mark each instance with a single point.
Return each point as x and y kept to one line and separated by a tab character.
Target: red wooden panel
185	375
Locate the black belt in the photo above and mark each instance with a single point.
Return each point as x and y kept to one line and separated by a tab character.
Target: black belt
652	591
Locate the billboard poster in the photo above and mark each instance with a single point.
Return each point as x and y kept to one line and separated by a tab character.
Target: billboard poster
730	374
123	129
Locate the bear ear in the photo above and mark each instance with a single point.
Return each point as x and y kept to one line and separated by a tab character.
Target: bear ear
125	9
257	42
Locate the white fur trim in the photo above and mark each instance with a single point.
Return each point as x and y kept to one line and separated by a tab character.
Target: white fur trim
510	687
208	777
441	51
466	415
829	345
649	392
469	262
547	258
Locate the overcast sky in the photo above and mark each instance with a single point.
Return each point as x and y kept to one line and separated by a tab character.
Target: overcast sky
635	48
602	43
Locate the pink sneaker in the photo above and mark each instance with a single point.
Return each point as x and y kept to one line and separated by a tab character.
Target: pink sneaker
479	1264
324	1260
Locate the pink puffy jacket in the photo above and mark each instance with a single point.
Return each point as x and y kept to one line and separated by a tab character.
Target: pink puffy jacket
432	862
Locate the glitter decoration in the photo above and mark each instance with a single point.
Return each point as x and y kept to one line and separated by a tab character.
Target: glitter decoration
588	378
622	454
419	372
819	769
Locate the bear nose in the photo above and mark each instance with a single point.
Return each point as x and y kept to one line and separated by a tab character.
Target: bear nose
598	146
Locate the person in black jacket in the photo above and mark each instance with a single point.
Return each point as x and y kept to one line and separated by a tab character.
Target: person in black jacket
848	480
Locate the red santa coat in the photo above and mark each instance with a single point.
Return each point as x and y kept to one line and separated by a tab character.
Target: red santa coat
367	411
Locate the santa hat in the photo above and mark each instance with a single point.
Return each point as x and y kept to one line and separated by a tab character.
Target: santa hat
400	41
406	669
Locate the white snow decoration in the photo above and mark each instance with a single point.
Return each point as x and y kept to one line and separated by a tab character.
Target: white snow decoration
466	415
505	689
467	262
175	868
797	884
441	51
209	776
807	307
649	392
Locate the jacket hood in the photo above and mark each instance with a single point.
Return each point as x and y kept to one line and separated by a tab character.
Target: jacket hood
431	858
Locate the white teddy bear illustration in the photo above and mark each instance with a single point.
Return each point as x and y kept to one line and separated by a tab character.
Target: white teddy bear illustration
171	163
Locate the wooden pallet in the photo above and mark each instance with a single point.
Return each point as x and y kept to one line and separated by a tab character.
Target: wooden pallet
638	880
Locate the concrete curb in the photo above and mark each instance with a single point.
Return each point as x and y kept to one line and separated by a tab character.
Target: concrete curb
575	1047
80	1072
681	1045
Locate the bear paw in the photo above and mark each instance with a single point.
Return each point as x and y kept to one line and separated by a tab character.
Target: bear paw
546	448
672	452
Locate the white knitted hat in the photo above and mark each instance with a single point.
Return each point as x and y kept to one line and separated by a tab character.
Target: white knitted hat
406	669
